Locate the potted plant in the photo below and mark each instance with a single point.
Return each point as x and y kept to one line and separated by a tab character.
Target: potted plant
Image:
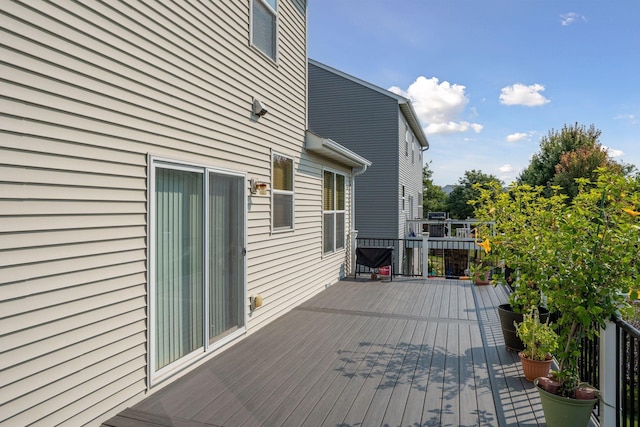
481	270
586	255
509	231
540	341
595	247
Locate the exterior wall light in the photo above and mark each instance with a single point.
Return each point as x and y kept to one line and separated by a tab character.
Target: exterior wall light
255	302
258	187
259	109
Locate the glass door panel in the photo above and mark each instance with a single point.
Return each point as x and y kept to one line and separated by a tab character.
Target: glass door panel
179	273
226	254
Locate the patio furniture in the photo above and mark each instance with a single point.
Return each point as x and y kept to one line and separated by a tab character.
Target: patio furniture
374	257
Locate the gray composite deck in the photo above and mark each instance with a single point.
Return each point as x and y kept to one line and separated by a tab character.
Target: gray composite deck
361	353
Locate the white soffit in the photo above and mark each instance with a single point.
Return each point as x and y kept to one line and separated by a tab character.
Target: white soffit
334	151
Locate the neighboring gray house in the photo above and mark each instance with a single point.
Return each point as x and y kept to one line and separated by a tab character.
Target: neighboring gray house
384	128
146	198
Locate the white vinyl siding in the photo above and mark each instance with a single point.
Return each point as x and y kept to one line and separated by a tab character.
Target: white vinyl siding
90	90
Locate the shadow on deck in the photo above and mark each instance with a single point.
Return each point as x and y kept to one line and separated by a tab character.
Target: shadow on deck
361	353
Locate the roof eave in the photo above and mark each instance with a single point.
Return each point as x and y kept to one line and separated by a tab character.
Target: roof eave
334	151
414	123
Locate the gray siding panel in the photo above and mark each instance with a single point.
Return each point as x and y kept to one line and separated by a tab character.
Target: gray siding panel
365	121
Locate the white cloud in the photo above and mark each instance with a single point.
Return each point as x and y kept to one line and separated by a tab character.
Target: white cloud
613	152
515	137
438	105
452	127
629	117
519	94
506	168
567	19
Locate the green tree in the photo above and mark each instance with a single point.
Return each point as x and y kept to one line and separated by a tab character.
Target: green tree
457	204
433	198
583	163
542	168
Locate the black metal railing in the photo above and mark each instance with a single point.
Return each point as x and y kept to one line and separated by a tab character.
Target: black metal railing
453	257
407	255
589	365
628	387
447	257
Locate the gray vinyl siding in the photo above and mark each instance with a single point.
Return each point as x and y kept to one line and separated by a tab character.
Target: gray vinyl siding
90	92
366	122
370	121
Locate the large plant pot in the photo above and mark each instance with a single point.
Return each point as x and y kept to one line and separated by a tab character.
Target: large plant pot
507	319
535	368
564	412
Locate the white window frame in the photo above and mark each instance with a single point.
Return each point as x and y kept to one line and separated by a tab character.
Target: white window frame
407	139
273	9
335	213
275	192
162	374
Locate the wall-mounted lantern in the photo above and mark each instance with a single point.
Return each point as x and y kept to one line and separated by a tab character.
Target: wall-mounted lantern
259	109
258	187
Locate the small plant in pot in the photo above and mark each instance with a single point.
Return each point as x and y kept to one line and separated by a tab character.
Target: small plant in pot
540	341
481	270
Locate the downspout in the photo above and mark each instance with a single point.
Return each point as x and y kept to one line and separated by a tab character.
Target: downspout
354	232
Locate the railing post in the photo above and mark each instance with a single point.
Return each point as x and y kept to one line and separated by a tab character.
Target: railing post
608	380
354	244
425	255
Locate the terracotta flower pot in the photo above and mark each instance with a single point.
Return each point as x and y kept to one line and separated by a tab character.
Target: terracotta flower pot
548	384
535	368
482	279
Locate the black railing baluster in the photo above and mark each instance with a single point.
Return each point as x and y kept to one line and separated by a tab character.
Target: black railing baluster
628	372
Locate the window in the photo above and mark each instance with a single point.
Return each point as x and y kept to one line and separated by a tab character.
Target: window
282	203
413	153
407	138
264	28
333	212
403	199
197	262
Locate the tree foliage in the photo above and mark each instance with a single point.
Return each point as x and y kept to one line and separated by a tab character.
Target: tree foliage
566	155
433	198
542	168
582	163
457	203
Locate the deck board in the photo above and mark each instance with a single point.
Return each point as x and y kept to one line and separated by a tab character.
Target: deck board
368	353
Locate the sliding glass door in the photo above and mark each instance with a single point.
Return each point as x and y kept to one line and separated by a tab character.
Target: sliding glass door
226	255
198	266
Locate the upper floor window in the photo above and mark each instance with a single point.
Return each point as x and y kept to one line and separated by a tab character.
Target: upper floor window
407	139
282	191
333	212
413	152
264	28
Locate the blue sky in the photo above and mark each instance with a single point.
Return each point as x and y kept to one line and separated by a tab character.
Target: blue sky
489	78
